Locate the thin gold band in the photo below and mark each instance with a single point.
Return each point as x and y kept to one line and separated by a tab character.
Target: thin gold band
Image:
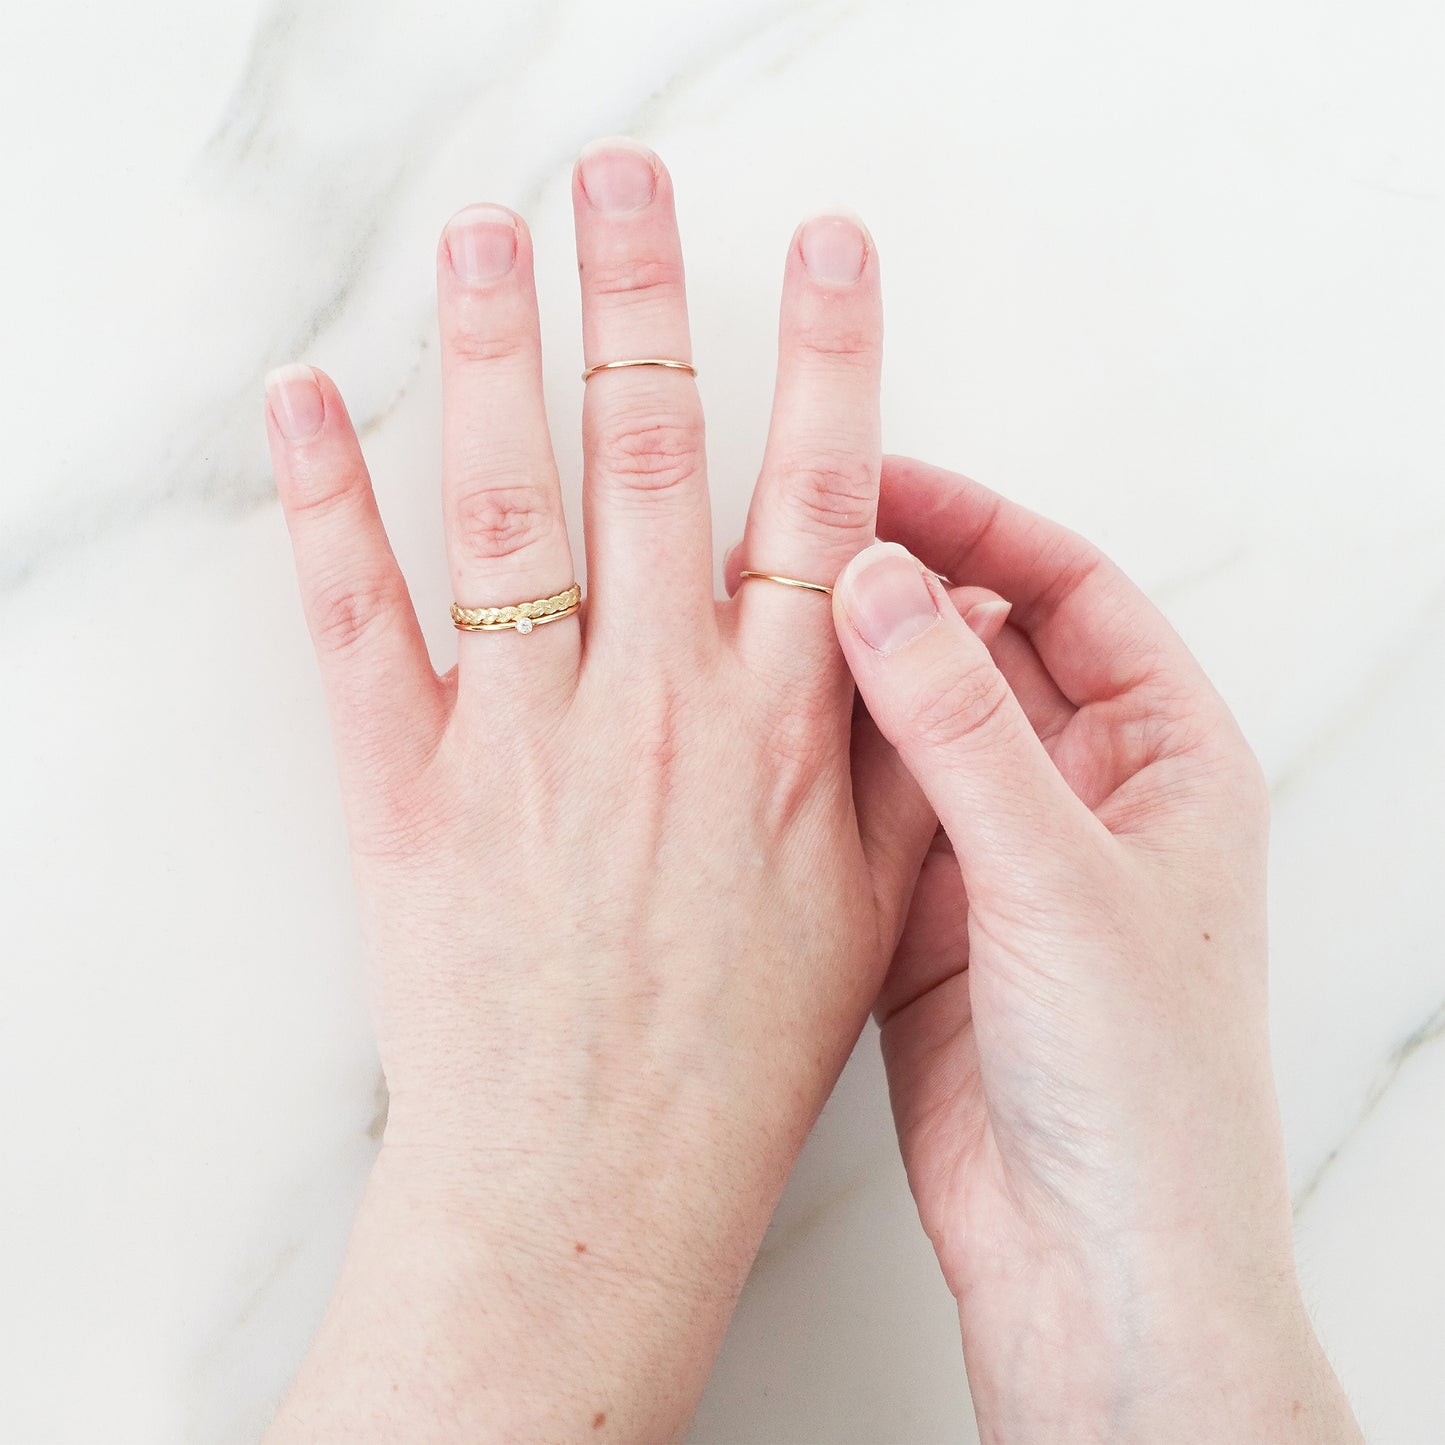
686	366
519	616
786	582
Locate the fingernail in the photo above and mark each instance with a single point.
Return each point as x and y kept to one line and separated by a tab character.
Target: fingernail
986	619
295	401
482	241
618	175
886	598
834	249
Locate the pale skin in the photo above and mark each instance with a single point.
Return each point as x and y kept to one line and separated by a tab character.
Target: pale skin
632	883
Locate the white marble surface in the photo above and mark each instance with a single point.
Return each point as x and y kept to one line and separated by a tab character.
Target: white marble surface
1170	273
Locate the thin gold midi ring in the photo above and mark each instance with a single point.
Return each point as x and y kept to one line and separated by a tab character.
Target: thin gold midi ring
686	366
785	581
519	616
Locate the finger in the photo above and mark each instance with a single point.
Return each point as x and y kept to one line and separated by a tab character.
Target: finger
985	612
892	813
386	702
1049	712
1095	631
733	568
1035	688
895	820
937	696
934	941
506	534
816	499
649	548
930	1051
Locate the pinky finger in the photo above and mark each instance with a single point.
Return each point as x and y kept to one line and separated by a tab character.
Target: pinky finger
386	702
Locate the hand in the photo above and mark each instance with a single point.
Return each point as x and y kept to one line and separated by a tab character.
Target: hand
1074	1021
622	920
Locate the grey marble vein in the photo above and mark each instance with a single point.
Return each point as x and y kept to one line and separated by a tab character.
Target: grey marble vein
216	466
1431	1031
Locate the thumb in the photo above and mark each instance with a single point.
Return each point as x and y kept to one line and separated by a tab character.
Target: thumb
936	694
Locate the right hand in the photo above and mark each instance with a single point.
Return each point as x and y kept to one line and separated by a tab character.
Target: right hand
1075	1020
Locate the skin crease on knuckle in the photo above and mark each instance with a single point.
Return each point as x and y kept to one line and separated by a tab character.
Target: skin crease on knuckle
503	519
317	488
345	614
830	489
953	705
471	344
649	450
646	287
826	342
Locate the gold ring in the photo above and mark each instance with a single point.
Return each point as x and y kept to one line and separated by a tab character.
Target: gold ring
686	366
786	582
520	616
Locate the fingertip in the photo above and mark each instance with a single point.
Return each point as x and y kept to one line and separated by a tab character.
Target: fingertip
835	248
617	174
482	244
986	618
315	453
295	402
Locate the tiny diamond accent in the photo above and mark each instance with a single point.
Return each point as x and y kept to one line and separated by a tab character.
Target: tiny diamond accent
524	624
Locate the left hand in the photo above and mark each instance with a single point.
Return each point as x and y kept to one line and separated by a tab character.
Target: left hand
623	920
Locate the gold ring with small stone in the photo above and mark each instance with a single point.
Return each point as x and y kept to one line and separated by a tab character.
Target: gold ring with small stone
517	616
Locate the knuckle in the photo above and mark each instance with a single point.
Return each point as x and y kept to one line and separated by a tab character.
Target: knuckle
1073	563
346	615
650	451
472	343
957	706
642	278
832	342
317	490
499	521
832	487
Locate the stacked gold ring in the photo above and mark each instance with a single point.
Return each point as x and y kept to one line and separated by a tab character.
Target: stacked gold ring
518	616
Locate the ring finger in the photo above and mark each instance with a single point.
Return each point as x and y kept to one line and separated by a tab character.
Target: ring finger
506	534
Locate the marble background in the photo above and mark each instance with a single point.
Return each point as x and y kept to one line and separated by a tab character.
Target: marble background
1169	273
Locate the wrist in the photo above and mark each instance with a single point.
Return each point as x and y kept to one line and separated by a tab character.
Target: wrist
1109	1363
537	1303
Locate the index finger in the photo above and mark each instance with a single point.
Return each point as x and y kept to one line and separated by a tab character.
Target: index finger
1097	632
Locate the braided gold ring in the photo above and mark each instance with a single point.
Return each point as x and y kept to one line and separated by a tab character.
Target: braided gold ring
686	366
518	616
786	581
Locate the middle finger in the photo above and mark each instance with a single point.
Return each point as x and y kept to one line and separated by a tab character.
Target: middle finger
649	546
